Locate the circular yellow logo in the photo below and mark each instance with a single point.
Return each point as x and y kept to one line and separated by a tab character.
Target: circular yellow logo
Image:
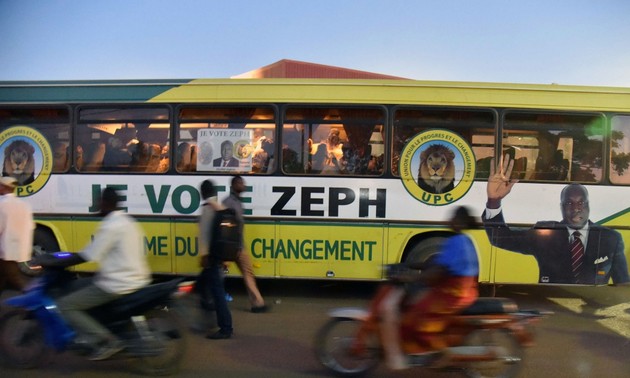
437	167
27	157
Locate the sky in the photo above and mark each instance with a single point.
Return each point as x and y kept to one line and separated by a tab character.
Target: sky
575	42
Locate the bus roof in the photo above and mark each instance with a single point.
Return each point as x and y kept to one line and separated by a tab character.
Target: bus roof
324	91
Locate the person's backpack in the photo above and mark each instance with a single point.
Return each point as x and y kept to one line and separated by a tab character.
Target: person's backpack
226	240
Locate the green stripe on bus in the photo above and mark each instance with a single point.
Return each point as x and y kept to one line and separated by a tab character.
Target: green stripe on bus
81	93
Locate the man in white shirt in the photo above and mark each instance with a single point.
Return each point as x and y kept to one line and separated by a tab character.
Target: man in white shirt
118	248
16	234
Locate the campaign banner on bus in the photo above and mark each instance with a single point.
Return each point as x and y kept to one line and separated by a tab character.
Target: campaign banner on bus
28	158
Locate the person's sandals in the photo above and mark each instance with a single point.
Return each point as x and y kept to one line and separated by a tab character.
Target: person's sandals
260	309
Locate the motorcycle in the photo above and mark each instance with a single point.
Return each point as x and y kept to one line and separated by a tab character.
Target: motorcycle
153	338
487	339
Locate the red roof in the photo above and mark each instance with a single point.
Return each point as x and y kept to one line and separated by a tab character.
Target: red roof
293	69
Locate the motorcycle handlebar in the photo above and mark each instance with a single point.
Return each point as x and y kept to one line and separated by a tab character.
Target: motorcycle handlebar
57	260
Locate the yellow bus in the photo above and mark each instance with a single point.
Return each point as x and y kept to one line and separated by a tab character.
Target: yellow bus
342	176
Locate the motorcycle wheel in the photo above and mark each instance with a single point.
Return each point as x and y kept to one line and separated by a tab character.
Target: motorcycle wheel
170	337
333	344
22	340
509	354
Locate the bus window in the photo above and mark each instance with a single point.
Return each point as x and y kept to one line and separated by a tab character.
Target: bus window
475	126
52	123
554	147
226	139
620	150
122	140
333	141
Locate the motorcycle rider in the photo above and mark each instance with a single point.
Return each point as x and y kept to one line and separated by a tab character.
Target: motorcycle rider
118	248
451	281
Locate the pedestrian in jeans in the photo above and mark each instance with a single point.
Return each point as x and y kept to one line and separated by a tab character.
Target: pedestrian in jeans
244	261
212	277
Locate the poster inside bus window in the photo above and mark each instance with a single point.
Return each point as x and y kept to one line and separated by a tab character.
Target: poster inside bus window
225	150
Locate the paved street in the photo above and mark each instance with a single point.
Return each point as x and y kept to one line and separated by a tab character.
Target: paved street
587	337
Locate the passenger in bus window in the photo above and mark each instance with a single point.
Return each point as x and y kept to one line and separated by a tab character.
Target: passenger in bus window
327	156
78	160
185	156
290	162
556	170
145	157
193	158
154	154
334	147
90	159
376	164
262	157
572	251
359	160
61	158
116	154
164	159
294	150
318	160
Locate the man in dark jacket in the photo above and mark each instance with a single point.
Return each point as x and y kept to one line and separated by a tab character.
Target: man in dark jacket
572	251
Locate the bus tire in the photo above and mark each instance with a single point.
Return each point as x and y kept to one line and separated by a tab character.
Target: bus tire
423	251
43	242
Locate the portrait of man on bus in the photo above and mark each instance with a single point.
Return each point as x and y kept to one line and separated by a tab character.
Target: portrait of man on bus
227	158
571	251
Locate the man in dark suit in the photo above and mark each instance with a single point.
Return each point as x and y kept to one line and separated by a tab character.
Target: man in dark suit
574	250
227	158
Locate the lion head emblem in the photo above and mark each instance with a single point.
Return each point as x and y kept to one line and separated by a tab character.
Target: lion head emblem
436	173
19	162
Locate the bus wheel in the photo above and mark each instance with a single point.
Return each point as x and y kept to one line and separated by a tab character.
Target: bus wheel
43	242
424	250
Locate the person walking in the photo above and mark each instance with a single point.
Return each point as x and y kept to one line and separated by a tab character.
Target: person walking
211	280
16	234
243	261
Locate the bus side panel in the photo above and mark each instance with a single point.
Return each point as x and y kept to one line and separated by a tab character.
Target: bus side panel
397	238
157	242
84	230
340	250
258	237
401	239
360	258
620	223
485	254
515	268
161	246
61	231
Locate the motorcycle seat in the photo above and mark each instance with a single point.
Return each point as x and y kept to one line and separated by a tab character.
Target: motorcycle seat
135	301
485	305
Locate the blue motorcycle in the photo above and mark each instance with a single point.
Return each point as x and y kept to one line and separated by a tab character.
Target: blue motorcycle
154	339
